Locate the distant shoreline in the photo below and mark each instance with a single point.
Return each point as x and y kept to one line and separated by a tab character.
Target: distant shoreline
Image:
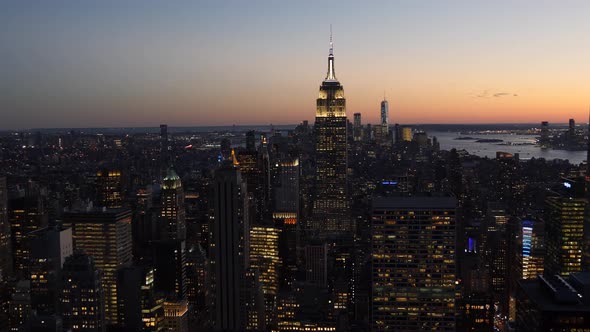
239	128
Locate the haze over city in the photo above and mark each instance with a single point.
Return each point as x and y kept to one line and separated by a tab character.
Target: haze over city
112	64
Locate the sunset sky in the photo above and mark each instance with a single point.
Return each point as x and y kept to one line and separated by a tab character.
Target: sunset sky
195	63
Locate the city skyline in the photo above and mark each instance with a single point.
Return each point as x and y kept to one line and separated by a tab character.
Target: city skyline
200	64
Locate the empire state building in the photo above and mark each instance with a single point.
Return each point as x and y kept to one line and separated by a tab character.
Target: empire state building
331	205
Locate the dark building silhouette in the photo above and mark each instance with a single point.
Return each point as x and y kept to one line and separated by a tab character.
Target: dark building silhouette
19	309
50	247
553	303
82	298
169	260
27	214
229	250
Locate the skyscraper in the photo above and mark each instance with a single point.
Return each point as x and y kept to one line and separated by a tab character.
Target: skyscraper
172	213
413	263
82	296
531	249
144	225
286	189
496	253
382	130
49	249
104	234
26	214
384	112
330	208
152	305
108	188
264	256
357	128
564	229
229	250
286	215
169	261
316	264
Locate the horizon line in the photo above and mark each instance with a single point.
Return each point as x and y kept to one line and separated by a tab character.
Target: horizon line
276	125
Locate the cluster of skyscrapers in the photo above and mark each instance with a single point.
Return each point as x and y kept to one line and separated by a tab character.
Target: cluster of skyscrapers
336	227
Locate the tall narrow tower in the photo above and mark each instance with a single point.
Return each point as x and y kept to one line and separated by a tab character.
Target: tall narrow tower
382	131
330	208
384	112
229	250
172	212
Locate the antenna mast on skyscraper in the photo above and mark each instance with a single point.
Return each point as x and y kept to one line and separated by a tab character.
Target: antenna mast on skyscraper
331	44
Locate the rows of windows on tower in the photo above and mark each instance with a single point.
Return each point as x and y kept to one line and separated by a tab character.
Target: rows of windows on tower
335	226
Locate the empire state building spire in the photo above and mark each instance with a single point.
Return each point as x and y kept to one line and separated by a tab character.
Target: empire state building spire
331	76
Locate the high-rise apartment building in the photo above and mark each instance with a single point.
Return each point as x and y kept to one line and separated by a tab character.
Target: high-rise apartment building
104	234
413	263
331	205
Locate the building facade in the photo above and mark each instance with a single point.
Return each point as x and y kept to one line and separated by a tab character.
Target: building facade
104	234
413	263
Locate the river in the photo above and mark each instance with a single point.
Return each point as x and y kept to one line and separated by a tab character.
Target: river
447	141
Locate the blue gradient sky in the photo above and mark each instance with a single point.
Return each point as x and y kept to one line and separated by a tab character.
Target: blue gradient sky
141	63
